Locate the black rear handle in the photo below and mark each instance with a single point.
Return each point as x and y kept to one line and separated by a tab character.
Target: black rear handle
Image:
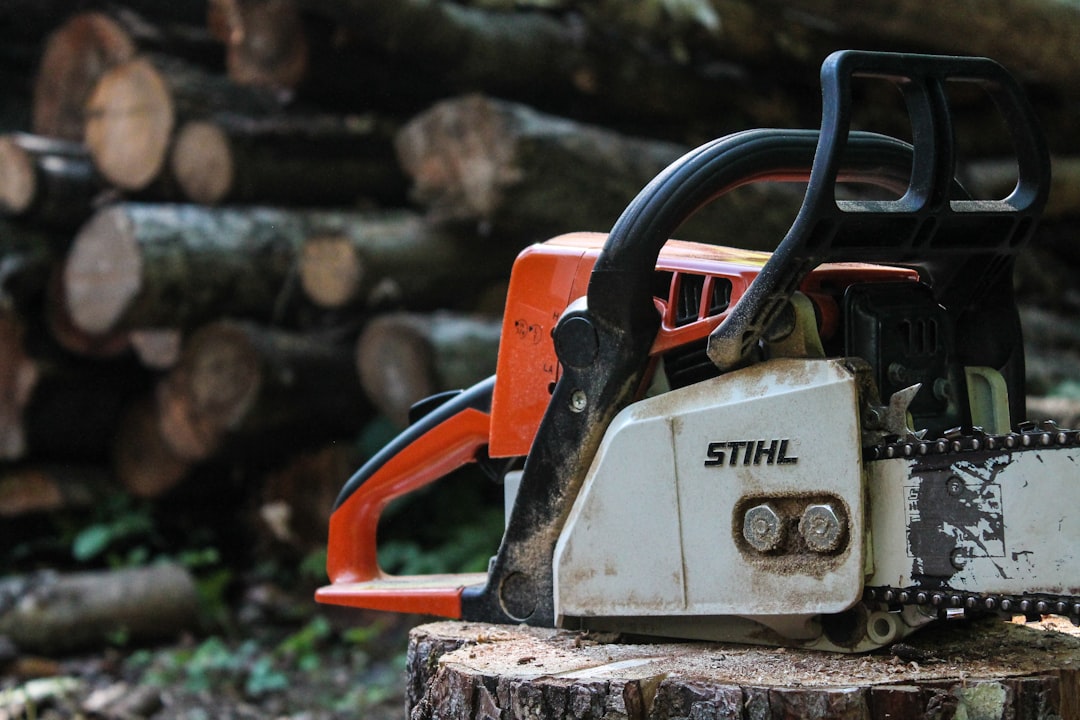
964	247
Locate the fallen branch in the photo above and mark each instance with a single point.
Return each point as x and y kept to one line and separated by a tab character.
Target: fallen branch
54	613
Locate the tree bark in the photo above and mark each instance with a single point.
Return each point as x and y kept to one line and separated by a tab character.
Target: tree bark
985	669
136	106
296	498
143	460
135	266
394	258
77	403
47	180
179	266
257	390
30	254
403	358
312	60
52	613
294	161
1051	348
264	40
523	176
557	62
1001	30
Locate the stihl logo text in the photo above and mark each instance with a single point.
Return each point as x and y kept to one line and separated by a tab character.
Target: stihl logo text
750	452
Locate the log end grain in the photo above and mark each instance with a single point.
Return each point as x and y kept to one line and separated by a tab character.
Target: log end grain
156	348
18	183
202	162
403	357
102	273
129	124
63	329
331	270
988	668
143	461
75	56
460	154
212	387
266	44
396	366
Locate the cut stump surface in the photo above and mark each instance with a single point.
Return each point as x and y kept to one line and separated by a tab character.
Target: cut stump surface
960	669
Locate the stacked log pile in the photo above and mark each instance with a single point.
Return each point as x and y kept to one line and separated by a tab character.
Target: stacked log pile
236	231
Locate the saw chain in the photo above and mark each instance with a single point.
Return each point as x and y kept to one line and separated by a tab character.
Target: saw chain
1030	436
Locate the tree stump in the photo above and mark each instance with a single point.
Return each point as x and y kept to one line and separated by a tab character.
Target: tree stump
959	669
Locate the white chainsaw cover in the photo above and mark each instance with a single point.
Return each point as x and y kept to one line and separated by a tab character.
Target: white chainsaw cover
656	529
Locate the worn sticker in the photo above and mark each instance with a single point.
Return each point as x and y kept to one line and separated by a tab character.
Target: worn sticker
954	515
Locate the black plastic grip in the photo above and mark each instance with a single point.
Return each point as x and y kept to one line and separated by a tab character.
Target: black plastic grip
620	289
964	247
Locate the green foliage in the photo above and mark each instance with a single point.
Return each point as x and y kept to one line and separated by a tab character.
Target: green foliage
362	635
1066	389
212	587
452	525
260	666
467	547
302	647
211	666
120	533
313	565
263	677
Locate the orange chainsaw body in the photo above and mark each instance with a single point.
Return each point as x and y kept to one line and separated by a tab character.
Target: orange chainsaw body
880	339
546	278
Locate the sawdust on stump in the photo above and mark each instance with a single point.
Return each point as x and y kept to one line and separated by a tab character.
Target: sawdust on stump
956	669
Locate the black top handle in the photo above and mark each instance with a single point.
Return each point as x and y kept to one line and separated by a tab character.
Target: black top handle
964	246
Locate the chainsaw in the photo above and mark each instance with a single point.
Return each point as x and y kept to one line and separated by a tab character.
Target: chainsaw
822	447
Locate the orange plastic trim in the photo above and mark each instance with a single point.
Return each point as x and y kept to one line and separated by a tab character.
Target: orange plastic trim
352	553
438	595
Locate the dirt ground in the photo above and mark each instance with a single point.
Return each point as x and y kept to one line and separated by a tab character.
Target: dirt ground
279	662
279	659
